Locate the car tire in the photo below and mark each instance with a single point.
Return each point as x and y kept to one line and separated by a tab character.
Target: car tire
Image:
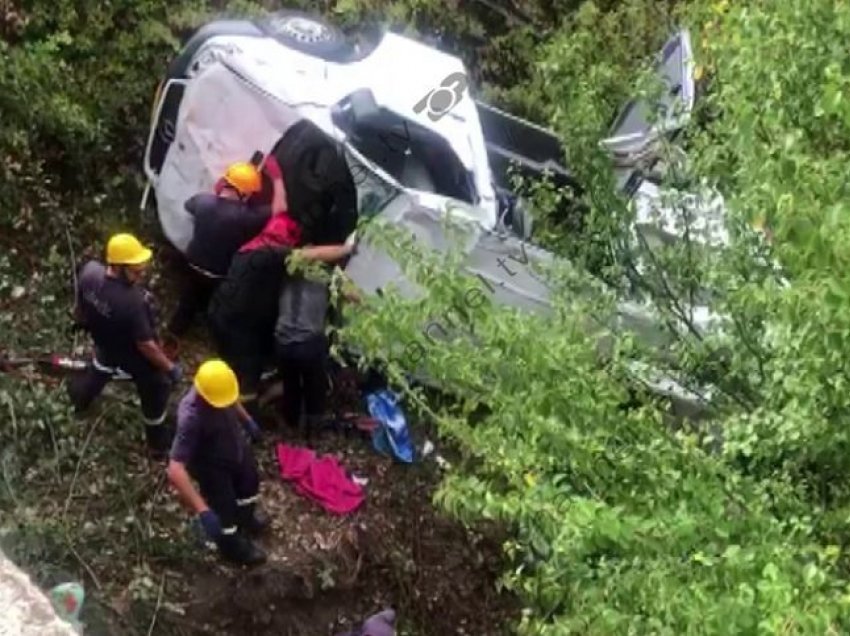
309	34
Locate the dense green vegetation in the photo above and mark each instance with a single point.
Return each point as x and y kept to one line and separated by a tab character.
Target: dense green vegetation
619	523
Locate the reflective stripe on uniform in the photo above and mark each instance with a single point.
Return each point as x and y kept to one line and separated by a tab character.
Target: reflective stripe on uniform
115	372
248	501
156	421
205	273
101	367
228	531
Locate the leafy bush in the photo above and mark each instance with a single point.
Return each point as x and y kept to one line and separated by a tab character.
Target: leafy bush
621	523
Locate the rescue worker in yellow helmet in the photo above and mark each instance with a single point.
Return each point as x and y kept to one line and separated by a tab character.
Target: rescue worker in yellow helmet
223	222
212	447
113	306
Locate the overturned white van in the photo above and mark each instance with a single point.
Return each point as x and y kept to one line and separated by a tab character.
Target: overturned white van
373	124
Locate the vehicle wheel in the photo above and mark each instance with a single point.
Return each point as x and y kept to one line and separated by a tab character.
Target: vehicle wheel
309	34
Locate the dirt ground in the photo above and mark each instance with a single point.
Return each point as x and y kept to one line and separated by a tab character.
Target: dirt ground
325	571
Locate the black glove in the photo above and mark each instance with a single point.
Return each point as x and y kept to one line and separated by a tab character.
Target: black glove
211	524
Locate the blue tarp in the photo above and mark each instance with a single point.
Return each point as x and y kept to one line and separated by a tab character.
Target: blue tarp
391	437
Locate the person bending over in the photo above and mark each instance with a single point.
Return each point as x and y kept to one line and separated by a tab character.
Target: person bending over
243	309
212	447
223	222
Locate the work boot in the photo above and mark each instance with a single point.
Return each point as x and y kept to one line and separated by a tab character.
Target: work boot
240	550
312	427
253	520
158	437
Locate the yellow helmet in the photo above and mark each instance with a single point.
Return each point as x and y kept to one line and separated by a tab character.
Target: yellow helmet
244	177
217	384
125	249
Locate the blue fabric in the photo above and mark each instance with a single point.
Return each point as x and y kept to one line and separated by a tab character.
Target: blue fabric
211	524
254	430
391	437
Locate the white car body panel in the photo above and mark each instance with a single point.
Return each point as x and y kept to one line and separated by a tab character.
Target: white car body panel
257	100
208	137
243	93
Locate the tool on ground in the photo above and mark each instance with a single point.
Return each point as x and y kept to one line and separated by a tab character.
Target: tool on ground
52	364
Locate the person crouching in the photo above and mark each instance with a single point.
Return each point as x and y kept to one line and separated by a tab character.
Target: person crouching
212	447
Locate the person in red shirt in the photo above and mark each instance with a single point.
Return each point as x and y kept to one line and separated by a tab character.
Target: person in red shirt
280	229
243	309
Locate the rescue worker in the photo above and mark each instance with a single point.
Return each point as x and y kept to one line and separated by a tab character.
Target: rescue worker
223	222
212	447
302	344
243	309
112	305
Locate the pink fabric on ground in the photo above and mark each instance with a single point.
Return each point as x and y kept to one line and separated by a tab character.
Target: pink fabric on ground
321	479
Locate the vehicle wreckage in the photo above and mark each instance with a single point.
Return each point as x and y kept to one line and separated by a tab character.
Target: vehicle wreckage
376	125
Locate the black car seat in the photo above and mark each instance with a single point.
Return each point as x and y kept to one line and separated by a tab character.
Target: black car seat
320	188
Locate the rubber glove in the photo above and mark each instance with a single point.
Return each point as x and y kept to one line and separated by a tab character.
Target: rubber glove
254	430
211	524
175	374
